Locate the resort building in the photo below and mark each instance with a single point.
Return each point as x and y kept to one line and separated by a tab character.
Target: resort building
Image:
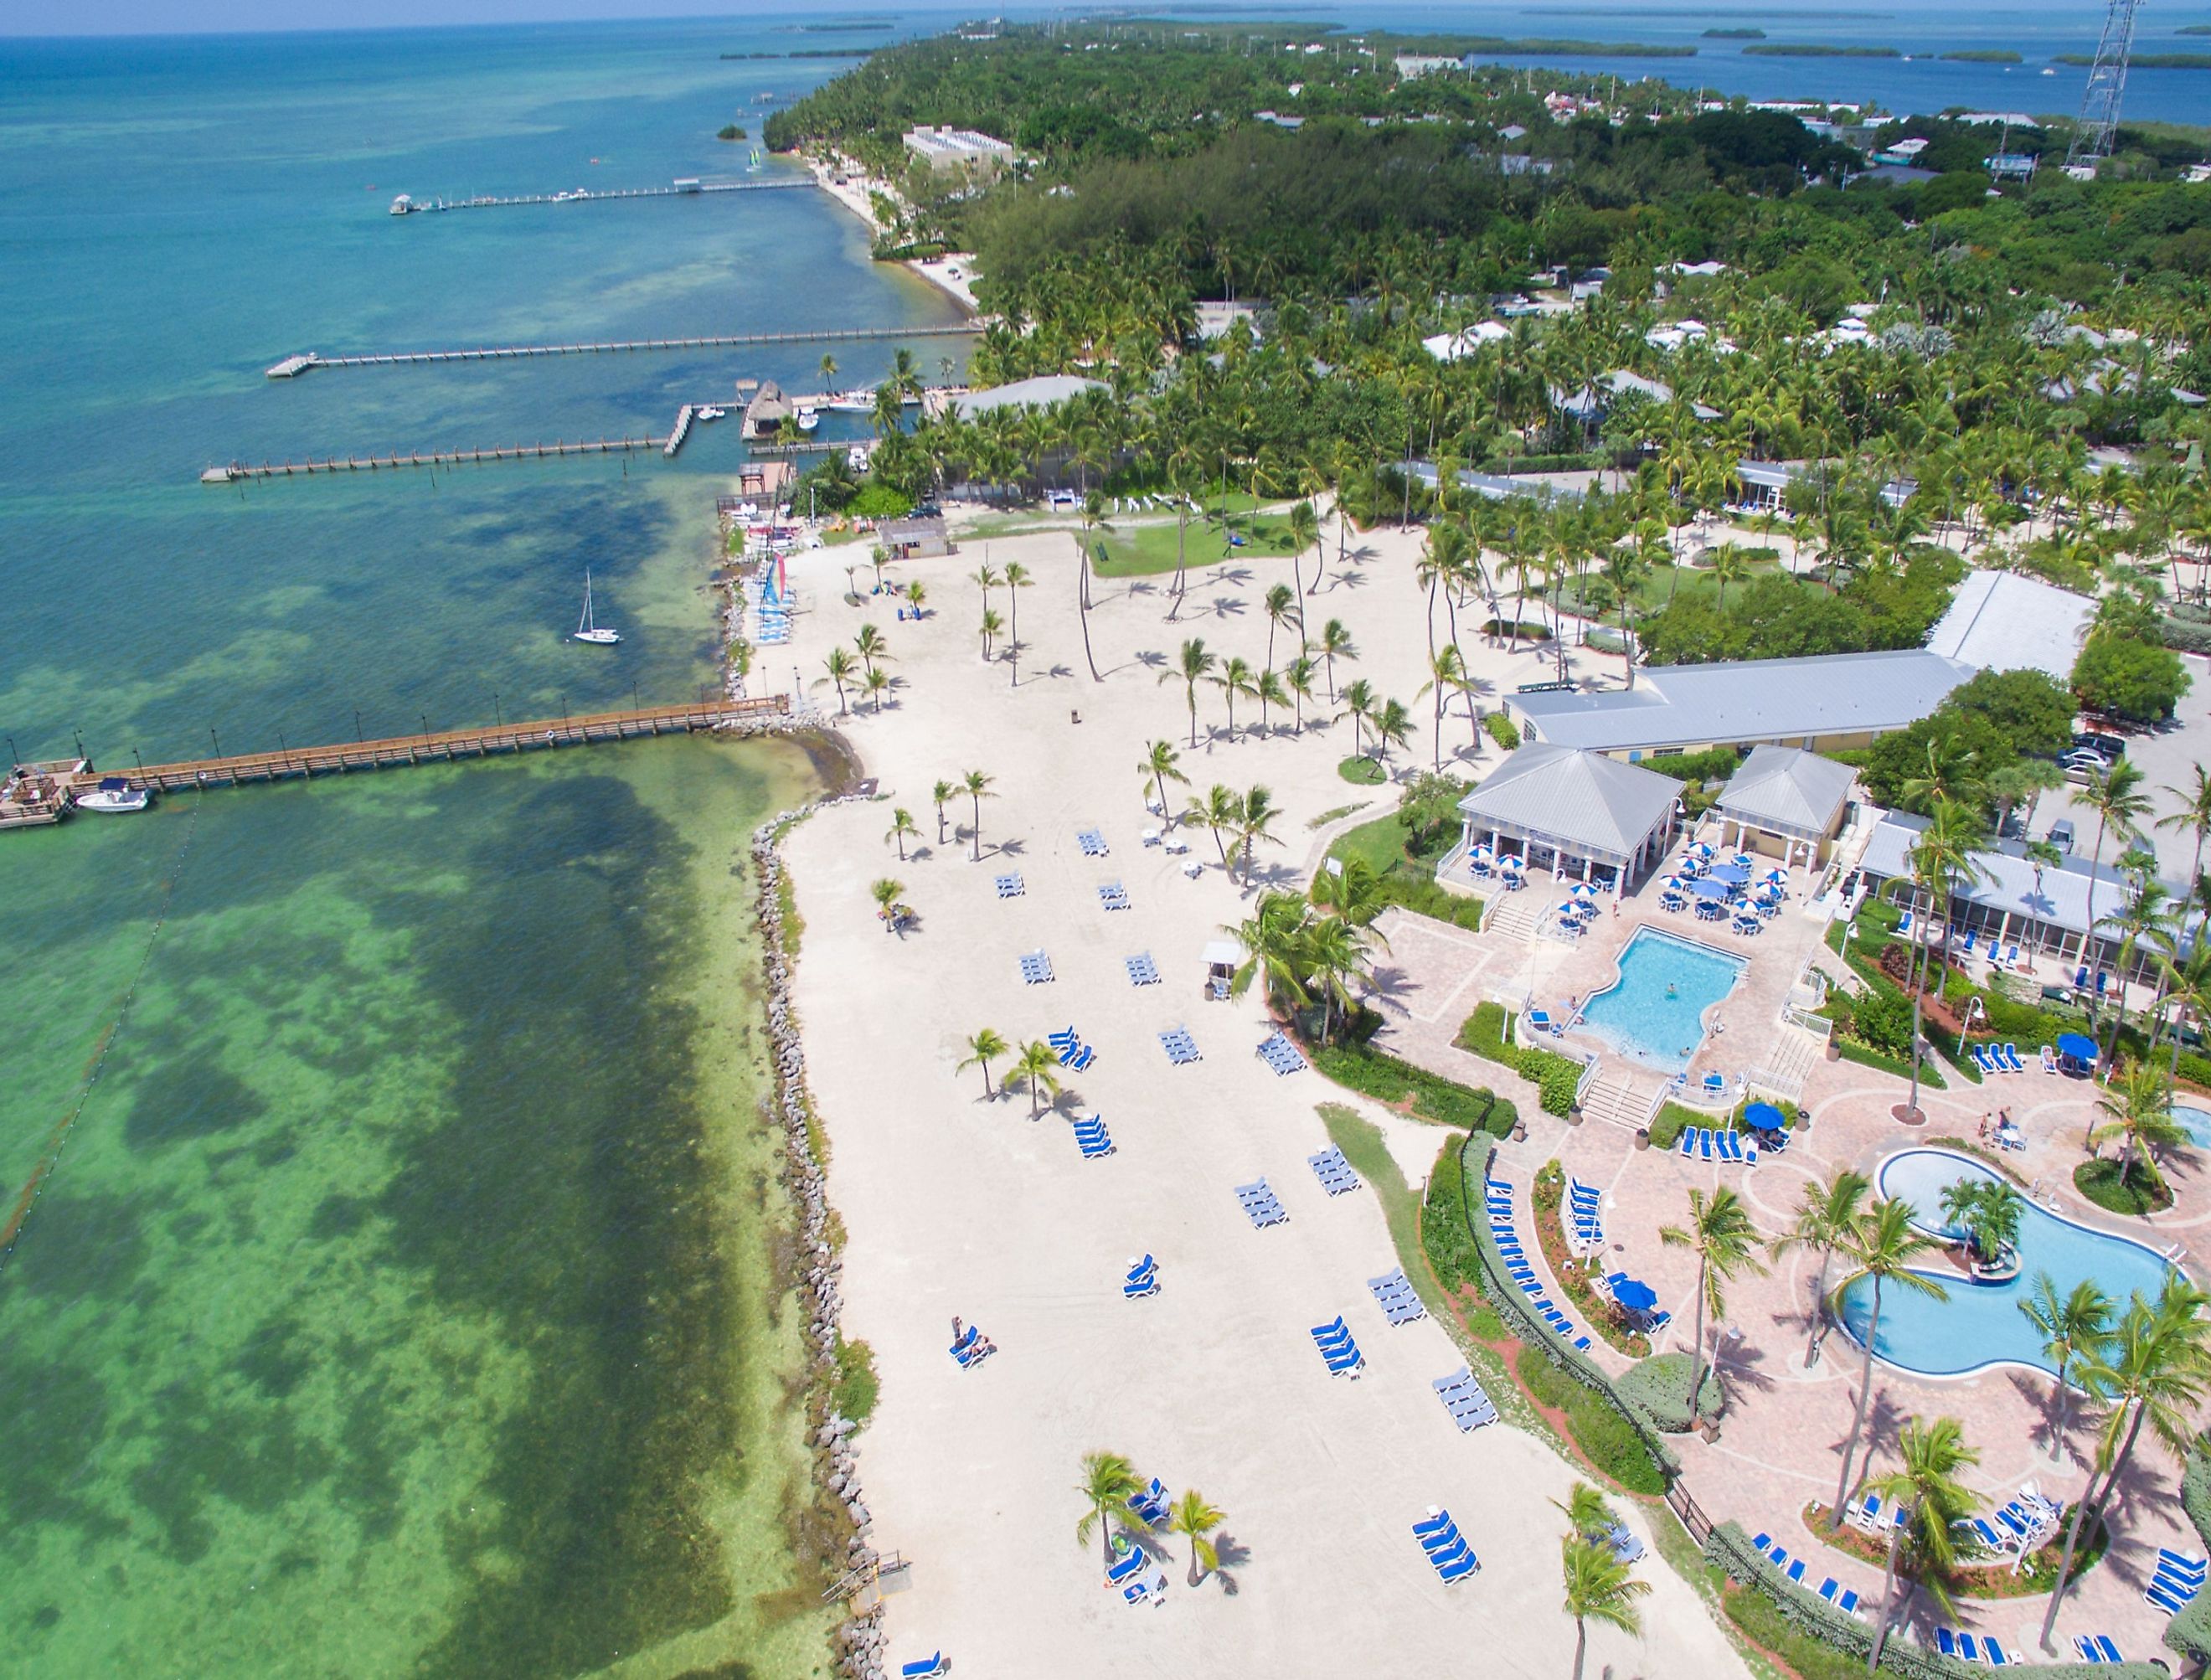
1216	318
1581	815
1786	803
768	412
2045	912
2003	621
1457	346
1045	391
1825	703
1765	483
914	539
958	148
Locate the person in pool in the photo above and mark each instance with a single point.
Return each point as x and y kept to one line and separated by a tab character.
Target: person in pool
1669	988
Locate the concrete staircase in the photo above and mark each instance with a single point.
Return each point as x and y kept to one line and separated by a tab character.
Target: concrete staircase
1619	1098
1513	915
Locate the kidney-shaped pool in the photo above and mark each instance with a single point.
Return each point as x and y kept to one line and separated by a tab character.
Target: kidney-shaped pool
1979	1325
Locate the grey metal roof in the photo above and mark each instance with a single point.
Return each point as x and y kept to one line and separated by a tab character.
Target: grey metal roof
2009	878
1788	789
1748	700
2001	621
1592	804
1041	392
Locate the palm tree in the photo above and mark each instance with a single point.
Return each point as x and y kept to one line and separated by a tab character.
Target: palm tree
985	1047
1599	1587
2117	798
1109	1482
1093	510
1270	691
2073	1326
838	664
1236	678
1941	867
885	893
2141	1110
1925	1486
1017	580
1221	811
1282	606
1360	703
1190	669
1881	1244
938	796
1159	767
875	684
1393	727
870	646
1335	643
1446	674
1257	812
1719	1233
2194	815
2146	913
991	625
901	826
977	786
989	579
1588	1514
1304	533
1195	1520
1297	680
1825	1214
1036	1064
828	373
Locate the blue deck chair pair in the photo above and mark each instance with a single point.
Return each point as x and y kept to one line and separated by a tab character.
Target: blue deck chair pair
1143	1279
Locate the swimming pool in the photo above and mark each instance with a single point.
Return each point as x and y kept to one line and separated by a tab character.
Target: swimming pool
1654	1013
2197	1122
1980	1323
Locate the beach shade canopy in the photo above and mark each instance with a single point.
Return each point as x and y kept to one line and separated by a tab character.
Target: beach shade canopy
1510	863
1709	888
1582	889
1734	874
2079	1045
1479	852
1634	1295
1765	1117
1701	849
1778	876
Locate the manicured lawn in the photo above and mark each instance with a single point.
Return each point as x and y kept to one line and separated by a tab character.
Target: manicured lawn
2099	1181
1144	546
1363	772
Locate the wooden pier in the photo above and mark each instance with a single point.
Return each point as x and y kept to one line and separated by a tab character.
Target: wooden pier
441	746
677	432
293	366
237	471
589	196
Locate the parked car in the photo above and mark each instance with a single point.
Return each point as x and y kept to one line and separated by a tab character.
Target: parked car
2110	748
2082	763
2061	833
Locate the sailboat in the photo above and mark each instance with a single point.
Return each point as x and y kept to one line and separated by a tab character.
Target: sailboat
597	635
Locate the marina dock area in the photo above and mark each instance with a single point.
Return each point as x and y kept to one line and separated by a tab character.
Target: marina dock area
686	188
35	795
237	471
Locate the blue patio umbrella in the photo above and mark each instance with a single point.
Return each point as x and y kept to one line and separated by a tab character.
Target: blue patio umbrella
1734	874
1634	1295
2079	1045
1708	888
1765	1117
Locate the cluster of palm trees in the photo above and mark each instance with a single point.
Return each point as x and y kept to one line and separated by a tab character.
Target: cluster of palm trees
1035	1067
2147	1367
1308	949
872	650
1110	1487
1292	686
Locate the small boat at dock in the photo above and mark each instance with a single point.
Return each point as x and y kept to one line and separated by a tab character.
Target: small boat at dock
708	413
808	420
114	794
852	402
586	629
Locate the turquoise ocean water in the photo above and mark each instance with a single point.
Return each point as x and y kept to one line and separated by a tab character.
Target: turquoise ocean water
403	1299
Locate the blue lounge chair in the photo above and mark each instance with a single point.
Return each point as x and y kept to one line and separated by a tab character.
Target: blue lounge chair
1442	1542
1848	1604
1777	1556
1989	1536
1946	1642
2110	1652
1704	1143
2179	1564
1438	1523
1458	1568
2160	1599
1761	1541
1131	1565
922	1669
2085	1648
1903	925
1829	1588
1992	1654
2011	1061
1688	1142
1966	944
1981	1061
1795	1571
1715	1084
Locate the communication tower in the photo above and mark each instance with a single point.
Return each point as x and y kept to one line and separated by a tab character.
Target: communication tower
2100	100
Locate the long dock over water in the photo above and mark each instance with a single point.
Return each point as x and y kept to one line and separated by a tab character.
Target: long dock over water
682	189
291	365
440	746
237	471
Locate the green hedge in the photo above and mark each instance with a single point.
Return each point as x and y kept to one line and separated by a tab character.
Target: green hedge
1660	1385
1671	1122
1447	1225
1423	897
1555	1077
1715	764
1389	1081
1810	1634
1502	731
2190	1632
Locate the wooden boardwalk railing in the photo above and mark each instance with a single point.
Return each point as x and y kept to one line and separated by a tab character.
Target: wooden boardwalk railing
441	745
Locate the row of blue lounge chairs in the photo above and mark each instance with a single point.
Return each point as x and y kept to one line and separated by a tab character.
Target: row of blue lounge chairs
1261	1205
1995	1059
1584	1224
2019	1527
1498	1200
1447	1548
1393	1292
1841	1598
1465	1398
1073	1054
1279	1054
1143	1279
1093	1139
1704	1144
1957	1642
2177	1582
1333	1171
2097	1648
973	1347
1334	1339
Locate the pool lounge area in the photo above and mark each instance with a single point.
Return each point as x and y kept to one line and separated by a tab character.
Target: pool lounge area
1979	1325
1655	1013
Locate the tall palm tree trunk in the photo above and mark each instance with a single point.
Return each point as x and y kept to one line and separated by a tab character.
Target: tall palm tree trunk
1857	1421
2064	1567
1887	1598
1819	1310
1697	1347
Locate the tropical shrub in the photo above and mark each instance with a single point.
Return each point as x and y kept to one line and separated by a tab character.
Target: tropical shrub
1660	1385
1502	729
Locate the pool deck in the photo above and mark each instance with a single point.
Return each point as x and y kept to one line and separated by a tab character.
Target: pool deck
1788	1422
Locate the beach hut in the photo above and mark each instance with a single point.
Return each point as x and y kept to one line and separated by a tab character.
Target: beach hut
766	414
1222	958
914	539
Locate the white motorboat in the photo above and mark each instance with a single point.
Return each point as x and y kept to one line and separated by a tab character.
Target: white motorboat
597	634
708	413
853	401
115	794
808	420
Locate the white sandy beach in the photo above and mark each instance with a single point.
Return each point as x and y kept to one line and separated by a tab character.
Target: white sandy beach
957	1205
